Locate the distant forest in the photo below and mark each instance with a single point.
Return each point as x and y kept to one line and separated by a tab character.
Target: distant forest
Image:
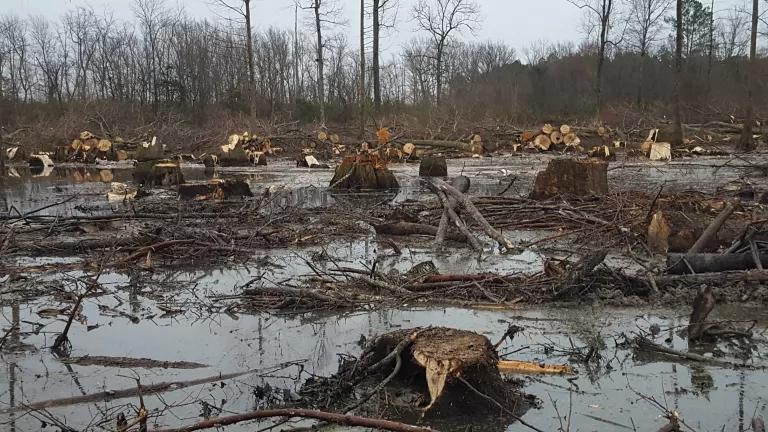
161	59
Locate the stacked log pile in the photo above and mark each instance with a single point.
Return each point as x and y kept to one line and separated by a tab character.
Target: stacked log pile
551	138
246	150
87	148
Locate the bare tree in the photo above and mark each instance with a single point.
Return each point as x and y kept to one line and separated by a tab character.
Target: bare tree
733	34
645	20
324	12
677	109
380	10
242	8
746	142
362	69
603	12
441	19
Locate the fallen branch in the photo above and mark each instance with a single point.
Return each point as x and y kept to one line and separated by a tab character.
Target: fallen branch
336	418
709	234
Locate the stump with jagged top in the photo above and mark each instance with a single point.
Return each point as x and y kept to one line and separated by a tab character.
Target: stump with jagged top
365	171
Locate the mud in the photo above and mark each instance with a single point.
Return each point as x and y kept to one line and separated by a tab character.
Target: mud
186	322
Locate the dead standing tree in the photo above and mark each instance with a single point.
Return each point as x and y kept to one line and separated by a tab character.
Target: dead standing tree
242	8
677	108
441	19
746	142
324	12
379	9
603	11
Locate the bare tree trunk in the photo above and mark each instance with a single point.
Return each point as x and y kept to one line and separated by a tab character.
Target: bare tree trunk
362	69
677	127
376	76
320	64
249	42
747	143
296	85
439	74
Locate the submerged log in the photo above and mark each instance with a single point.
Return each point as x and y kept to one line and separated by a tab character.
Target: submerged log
702	306
433	166
154	173
585	177
682	263
409	228
363	172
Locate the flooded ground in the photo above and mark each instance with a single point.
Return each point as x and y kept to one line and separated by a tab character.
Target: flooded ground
192	314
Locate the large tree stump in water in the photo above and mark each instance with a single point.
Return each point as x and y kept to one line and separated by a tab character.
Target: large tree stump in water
447	366
576	177
157	173
433	166
363	172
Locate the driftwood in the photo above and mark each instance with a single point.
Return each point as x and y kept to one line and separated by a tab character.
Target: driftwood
110	395
473	212
678	263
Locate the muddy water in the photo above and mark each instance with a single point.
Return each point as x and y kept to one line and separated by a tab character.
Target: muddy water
132	320
128	323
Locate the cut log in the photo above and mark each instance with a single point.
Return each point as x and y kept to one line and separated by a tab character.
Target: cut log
408	228
659	231
602	152
532	368
565	129
710	234
573	177
455	145
661	151
681	263
40	161
154	173
363	172
210	160
433	166
542	142
556	137
236	157
601	131
104	145
571	139
547	129
408	148
528	136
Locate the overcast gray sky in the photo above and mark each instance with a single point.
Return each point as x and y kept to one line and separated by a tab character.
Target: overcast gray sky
516	22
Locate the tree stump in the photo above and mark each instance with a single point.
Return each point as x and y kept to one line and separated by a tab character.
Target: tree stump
149	151
157	173
584	177
433	166
441	364
363	172
236	157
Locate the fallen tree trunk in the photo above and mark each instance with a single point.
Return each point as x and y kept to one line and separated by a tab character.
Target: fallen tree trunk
470	208
711	231
722	277
409	228
678	263
455	145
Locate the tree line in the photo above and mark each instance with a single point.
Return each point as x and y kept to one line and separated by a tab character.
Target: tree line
161	58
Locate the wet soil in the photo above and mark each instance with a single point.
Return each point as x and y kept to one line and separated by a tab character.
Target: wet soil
190	315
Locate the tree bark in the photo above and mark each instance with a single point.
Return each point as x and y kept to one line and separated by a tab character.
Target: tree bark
376	77
677	126
362	68
320	63
249	43
746	142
